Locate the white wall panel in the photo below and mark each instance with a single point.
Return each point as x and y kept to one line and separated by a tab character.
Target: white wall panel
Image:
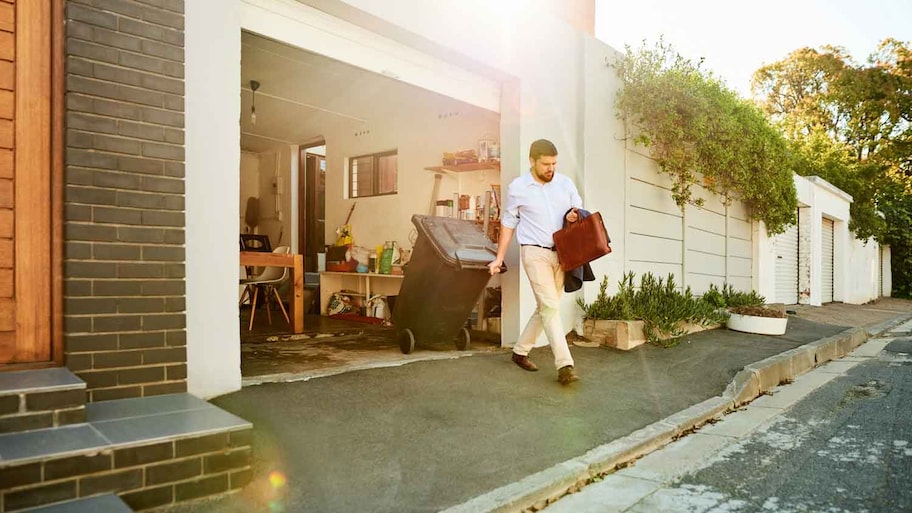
739	268
706	264
705	242
886	271
699	283
738	247
711	202
650	197
706	220
649	222
657	269
740	283
640	167
739	228
653	249
737	210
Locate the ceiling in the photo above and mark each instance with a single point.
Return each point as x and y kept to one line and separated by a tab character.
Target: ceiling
301	93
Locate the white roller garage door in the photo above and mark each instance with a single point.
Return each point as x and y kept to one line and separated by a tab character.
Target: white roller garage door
826	267
787	266
300	25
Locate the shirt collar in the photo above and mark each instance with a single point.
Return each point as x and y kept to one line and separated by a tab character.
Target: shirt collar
530	180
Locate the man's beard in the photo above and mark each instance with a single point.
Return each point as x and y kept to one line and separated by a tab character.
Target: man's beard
544	176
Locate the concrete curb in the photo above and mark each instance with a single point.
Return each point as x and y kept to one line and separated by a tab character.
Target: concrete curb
542	488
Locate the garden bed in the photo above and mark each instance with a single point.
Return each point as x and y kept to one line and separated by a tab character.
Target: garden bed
626	335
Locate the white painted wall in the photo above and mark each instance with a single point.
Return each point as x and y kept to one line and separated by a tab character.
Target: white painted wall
275	206
213	53
249	185
700	246
886	271
855	263
420	137
603	186
763	267
863	278
551	107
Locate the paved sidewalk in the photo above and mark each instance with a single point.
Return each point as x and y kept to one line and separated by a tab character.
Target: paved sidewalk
479	434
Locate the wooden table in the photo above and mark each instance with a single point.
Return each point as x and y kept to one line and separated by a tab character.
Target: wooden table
296	263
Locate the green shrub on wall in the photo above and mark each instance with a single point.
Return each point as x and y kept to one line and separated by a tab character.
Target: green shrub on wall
696	127
728	297
657	302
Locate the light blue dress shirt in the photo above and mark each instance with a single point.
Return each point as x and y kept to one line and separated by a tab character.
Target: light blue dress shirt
537	210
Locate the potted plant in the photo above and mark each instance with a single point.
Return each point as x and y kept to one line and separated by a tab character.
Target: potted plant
761	320
747	312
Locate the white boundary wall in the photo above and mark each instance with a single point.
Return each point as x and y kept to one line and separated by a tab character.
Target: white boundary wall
855	263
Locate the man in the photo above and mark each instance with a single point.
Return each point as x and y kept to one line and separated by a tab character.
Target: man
535	207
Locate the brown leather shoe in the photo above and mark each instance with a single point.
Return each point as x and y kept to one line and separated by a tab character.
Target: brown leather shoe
566	375
524	362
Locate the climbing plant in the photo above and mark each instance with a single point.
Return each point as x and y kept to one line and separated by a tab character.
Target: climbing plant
699	130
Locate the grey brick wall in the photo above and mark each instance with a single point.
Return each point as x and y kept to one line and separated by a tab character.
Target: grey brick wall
124	216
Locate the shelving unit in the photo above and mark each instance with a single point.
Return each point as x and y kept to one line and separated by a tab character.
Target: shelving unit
461	168
363	285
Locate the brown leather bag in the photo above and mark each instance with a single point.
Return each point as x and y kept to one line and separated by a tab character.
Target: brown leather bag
582	242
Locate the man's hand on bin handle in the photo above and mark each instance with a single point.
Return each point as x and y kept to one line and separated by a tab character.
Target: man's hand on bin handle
497	266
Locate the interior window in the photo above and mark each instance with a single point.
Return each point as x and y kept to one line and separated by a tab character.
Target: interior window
373	175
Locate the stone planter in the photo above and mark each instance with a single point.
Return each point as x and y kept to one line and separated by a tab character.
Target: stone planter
758	325
624	335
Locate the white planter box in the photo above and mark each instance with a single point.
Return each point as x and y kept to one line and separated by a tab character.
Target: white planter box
758	325
625	335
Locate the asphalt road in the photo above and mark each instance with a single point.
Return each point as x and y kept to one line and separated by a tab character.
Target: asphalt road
844	447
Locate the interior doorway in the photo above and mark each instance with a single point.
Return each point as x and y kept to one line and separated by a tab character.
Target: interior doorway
312	203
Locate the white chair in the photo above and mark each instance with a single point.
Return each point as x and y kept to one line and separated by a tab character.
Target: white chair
267	280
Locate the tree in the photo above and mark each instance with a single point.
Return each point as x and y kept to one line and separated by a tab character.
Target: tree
851	124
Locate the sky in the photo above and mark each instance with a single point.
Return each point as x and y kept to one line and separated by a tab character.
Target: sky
736	37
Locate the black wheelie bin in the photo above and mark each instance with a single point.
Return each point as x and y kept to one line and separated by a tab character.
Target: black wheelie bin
443	280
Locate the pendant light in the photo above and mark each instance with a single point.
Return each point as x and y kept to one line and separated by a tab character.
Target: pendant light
254	85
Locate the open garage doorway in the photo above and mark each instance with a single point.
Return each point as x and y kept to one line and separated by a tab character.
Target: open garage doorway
329	151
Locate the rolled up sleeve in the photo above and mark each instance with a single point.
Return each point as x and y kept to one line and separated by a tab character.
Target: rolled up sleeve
510	215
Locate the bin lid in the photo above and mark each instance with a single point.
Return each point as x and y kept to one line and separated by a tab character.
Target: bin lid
459	242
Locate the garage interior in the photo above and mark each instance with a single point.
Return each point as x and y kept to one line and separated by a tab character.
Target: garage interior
304	119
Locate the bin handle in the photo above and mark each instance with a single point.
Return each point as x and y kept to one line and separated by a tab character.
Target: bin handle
503	267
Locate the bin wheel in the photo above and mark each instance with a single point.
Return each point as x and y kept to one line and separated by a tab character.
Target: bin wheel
463	339
406	341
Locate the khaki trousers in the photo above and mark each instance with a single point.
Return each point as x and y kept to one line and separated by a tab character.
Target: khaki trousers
547	280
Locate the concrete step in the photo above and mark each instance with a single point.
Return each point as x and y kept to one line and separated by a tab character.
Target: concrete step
150	451
99	504
41	398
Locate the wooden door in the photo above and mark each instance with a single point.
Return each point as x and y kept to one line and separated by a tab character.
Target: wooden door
311	207
31	61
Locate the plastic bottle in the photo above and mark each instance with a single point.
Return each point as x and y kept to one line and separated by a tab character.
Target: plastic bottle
386	260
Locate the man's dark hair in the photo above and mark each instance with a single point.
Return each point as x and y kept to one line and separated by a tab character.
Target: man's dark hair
542	148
